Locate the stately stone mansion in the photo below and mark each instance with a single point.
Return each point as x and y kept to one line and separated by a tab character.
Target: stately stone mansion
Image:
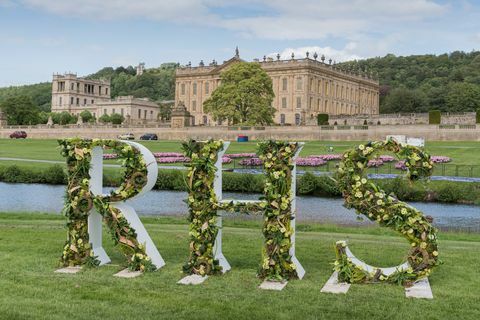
303	88
74	95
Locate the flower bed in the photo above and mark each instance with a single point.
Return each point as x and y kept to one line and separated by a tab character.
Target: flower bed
375	163
400	165
241	155
251	162
167	154
440	159
386	158
173	159
310	162
327	157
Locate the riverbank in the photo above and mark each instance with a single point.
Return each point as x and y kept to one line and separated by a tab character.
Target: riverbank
307	184
30	246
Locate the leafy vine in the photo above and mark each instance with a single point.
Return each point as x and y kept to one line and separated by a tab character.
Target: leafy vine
277	157
80	201
371	201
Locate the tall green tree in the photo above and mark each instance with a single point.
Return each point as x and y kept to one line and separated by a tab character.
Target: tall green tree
405	100
116	118
86	116
463	97
20	110
244	96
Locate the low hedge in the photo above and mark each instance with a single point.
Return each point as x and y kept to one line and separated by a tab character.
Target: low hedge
434	117
478	116
307	184
322	119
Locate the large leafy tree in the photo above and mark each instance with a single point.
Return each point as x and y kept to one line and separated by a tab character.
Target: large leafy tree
463	97
20	110
405	100
244	96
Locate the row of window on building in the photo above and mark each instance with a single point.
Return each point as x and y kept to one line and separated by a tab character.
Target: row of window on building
194	88
341	108
87	88
142	114
329	90
75	101
298	120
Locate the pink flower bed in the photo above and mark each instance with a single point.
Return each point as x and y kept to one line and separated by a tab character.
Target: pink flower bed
241	155
400	165
250	162
109	156
226	160
327	157
167	154
375	163
173	159
435	159
386	158
310	162
440	159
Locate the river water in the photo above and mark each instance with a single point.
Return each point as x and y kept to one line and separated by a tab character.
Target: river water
48	198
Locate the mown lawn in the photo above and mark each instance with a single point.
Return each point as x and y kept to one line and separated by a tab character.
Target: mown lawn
461	152
30	245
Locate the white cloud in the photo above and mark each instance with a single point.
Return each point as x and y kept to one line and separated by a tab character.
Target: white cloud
180	10
345	54
374	25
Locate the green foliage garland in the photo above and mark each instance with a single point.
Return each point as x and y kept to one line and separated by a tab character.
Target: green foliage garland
203	205
371	201
277	157
80	200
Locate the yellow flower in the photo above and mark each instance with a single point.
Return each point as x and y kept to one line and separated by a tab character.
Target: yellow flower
435	253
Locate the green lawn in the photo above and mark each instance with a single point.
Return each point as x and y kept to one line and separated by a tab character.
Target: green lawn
463	153
30	245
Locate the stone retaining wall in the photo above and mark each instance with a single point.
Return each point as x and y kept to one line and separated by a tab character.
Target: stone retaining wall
304	133
399	119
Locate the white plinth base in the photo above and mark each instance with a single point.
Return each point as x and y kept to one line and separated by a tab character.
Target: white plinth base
69	270
421	289
273	285
125	273
193	279
333	286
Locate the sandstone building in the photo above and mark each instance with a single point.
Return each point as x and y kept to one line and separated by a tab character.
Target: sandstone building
303	88
74	95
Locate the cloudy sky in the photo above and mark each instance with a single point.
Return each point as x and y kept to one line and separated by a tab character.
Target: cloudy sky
40	37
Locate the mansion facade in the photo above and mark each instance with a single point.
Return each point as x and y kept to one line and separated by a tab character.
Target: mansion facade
74	95
303	88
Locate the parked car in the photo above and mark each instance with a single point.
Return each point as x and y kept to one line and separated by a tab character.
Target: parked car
126	136
149	136
18	135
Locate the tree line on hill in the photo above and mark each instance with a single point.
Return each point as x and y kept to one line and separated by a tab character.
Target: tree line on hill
417	83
